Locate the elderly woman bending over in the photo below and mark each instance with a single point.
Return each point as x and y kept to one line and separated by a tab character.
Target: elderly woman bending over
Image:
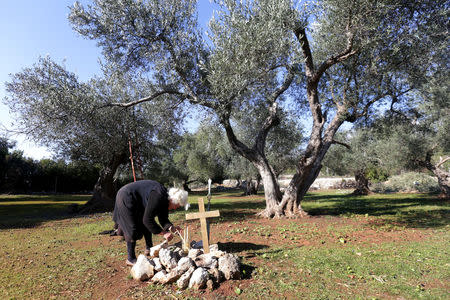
137	205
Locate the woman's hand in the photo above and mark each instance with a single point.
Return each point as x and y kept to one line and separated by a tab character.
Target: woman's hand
167	235
174	229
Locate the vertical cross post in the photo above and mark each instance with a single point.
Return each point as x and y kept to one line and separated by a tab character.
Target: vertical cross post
202	215
208	208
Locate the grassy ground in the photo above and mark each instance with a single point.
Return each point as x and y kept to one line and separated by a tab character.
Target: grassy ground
392	246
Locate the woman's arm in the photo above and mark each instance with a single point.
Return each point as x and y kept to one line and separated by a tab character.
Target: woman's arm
151	211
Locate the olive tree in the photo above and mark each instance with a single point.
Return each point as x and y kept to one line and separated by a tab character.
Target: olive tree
336	61
56	109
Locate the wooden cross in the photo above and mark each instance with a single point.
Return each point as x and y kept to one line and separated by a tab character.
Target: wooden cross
202	215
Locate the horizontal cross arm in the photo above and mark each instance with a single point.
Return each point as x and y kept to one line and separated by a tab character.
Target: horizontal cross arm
206	214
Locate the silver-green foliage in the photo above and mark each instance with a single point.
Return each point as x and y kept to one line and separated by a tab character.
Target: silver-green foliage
407	182
397	45
55	108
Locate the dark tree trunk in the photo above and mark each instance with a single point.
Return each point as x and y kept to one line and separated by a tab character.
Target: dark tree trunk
186	185
239	183
290	206
444	183
251	187
310	163
442	176
258	183
103	197
362	183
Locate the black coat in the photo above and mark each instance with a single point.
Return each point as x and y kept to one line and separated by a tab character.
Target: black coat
137	205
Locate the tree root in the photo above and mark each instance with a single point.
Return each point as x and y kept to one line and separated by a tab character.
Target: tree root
275	213
270	214
302	214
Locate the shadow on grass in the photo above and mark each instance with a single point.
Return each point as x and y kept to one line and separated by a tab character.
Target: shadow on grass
409	210
26	211
246	271
239	247
418	219
16	216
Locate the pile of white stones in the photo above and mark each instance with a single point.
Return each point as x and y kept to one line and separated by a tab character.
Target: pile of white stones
195	269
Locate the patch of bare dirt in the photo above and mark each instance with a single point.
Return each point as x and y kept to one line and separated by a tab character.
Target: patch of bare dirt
245	238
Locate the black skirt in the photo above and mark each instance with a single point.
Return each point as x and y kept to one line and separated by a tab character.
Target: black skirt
137	205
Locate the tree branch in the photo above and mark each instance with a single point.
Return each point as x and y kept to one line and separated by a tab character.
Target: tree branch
442	161
193	97
146	99
355	115
300	33
348	52
272	118
237	145
249	82
342	144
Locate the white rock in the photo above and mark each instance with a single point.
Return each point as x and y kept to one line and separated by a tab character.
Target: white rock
229	265
213	247
206	261
184	264
143	269
157	262
172	276
154	251
199	278
193	253
168	259
159	277
183	282
217	253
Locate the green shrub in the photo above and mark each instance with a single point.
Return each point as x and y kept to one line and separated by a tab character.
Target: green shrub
376	174
408	182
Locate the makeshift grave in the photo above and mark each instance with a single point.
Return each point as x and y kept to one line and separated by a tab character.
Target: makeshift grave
193	268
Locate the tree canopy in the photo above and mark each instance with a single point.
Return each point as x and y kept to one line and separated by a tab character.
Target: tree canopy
341	62
56	109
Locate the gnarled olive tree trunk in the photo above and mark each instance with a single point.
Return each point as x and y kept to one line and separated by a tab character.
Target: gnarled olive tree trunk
103	197
444	182
310	163
252	186
442	176
362	183
257	157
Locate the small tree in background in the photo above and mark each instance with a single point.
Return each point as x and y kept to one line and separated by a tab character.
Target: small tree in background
200	155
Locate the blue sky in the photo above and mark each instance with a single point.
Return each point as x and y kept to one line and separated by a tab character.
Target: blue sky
29	29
